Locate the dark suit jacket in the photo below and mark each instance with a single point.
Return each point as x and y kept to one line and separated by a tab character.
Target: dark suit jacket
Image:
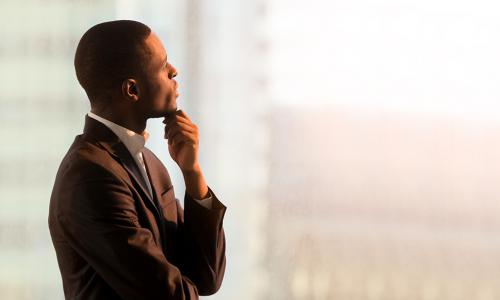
113	242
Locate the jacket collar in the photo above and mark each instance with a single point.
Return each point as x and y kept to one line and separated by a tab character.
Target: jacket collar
133	141
96	132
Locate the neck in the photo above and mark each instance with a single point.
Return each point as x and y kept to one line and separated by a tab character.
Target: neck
124	119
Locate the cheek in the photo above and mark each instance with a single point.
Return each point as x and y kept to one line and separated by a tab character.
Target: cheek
159	88
163	85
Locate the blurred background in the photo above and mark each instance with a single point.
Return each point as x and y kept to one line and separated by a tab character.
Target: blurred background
356	143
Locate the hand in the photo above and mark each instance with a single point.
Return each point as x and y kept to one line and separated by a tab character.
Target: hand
182	135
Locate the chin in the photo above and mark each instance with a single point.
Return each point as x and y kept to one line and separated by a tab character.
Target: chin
164	112
172	109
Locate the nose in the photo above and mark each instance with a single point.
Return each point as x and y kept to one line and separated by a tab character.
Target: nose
173	72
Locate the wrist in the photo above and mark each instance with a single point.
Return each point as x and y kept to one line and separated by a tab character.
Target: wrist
194	170
196	186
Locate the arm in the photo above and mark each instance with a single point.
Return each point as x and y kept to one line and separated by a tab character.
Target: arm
200	226
201	234
100	222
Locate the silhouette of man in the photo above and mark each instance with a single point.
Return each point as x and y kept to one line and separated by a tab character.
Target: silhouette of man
117	228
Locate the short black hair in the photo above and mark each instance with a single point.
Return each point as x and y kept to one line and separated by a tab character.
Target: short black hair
108	53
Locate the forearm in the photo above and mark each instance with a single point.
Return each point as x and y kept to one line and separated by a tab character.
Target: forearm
196	186
203	255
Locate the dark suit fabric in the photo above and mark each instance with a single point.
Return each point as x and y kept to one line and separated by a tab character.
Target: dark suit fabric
114	240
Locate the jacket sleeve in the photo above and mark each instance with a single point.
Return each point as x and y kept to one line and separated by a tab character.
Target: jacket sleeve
203	243
100	222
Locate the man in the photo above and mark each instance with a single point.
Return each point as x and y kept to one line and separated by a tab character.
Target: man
118	230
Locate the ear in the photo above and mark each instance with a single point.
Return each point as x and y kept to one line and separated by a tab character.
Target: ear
130	89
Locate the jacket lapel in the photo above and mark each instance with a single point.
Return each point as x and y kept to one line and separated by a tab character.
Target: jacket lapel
157	188
123	155
158	185
95	130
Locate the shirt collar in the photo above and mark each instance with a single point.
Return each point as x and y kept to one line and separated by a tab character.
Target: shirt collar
132	140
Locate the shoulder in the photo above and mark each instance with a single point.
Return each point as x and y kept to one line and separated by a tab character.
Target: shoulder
86	162
89	182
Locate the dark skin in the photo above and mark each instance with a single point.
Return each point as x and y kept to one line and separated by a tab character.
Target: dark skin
154	95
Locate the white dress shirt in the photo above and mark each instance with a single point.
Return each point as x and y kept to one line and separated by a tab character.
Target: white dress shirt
135	142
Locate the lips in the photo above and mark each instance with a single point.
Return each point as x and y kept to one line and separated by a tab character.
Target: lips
176	88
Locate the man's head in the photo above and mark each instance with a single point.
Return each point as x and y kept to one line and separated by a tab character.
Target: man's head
122	66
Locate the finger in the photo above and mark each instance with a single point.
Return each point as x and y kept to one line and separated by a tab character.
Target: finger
185	136
180	127
173	132
180	122
168	116
182	138
178	119
180	112
169	131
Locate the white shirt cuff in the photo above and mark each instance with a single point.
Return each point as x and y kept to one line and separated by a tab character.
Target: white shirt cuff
207	202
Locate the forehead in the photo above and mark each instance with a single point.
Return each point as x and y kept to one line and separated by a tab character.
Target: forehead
155	48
